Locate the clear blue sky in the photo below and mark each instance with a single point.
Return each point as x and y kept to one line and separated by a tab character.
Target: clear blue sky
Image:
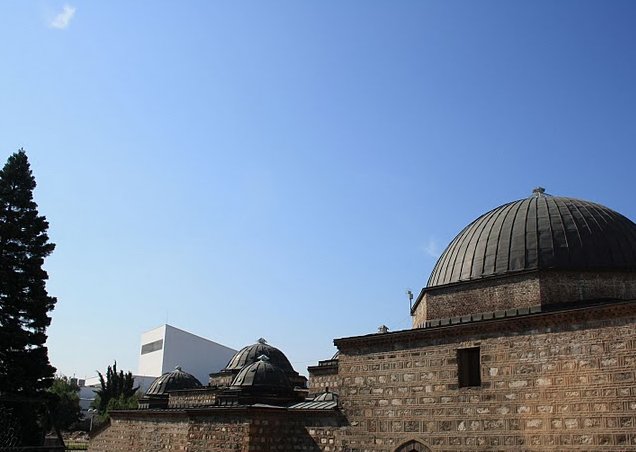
288	169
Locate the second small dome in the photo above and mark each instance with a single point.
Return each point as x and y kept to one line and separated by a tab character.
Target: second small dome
173	381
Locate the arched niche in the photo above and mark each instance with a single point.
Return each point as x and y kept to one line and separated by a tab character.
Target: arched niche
412	446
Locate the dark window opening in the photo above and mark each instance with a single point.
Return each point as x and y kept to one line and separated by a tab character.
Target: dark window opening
468	367
152	346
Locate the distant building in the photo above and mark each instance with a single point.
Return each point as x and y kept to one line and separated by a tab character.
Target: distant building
166	347
162	350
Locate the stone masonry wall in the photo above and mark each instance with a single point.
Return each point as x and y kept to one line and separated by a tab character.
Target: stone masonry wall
218	430
318	383
125	435
564	287
546	385
322	377
294	432
494	294
521	291
193	398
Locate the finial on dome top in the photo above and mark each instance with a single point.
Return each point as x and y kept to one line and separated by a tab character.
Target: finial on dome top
263	358
178	368
261	341
539	191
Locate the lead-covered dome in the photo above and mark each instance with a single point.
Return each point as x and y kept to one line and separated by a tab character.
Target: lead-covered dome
173	381
251	353
262	375
537	233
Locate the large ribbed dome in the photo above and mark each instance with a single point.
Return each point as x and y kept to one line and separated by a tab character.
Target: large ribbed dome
536	233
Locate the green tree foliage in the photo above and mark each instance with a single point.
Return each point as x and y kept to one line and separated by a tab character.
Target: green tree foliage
24	302
118	388
65	407
25	371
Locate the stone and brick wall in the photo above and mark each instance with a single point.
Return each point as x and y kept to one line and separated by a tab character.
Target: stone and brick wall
192	398
223	378
488	295
556	380
141	434
323	376
294	432
551	381
567	287
219	430
521	291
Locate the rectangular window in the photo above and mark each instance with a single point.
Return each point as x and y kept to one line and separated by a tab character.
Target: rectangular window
152	347
468	367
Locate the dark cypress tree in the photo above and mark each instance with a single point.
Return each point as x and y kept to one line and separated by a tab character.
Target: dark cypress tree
25	370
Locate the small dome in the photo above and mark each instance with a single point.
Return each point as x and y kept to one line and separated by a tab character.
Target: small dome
262	375
172	381
538	233
250	354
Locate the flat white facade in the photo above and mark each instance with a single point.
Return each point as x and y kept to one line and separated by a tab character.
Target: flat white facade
165	347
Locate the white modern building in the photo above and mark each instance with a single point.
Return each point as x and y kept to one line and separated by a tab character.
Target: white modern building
165	347
162	349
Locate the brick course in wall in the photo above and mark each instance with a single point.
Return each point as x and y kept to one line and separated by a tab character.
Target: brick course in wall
552	381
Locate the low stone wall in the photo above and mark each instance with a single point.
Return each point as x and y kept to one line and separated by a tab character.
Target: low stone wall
219	430
128	434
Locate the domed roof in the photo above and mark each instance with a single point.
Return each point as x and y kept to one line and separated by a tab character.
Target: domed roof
262	375
250	354
172	381
536	233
